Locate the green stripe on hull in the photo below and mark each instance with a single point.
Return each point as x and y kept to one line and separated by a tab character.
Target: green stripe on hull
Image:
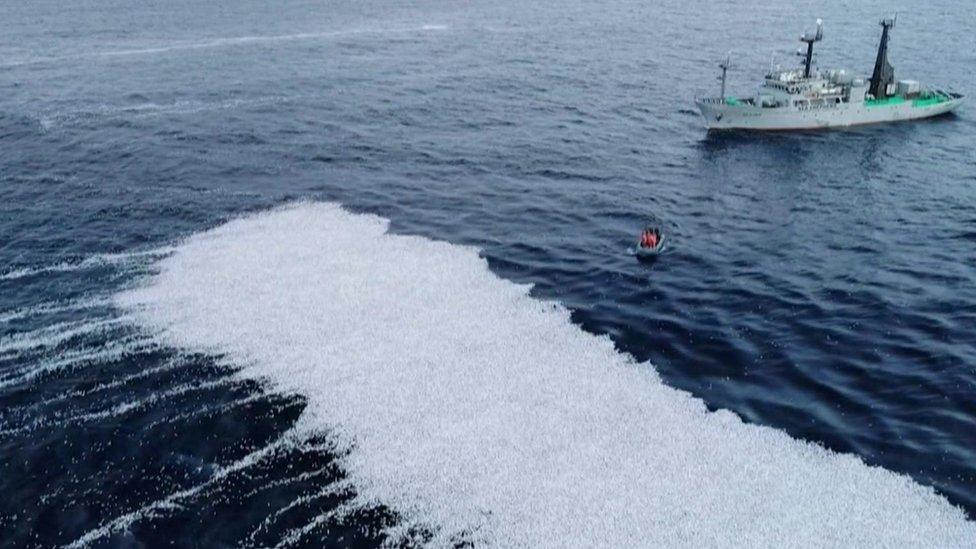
923	101
886	102
934	99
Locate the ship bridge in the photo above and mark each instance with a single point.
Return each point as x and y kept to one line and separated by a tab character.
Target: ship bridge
792	82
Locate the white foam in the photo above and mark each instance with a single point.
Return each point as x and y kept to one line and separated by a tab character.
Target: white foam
469	406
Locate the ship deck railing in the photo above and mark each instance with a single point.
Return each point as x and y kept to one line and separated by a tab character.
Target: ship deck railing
731	101
925	99
818	106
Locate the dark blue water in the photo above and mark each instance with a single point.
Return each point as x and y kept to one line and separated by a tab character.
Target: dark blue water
821	283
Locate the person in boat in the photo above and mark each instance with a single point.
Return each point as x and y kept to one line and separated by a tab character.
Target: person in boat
650	238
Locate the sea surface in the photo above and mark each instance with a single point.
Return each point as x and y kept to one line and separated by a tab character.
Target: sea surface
821	284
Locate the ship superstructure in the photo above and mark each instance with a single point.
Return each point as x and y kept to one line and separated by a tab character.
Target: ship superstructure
806	98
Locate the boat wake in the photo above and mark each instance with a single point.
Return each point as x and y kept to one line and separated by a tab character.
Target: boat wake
56	120
484	415
136	259
222	42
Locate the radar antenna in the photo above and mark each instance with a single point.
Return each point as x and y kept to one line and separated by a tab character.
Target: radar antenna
884	73
725	66
810	39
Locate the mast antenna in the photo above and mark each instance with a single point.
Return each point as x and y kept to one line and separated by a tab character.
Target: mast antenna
725	66
810	39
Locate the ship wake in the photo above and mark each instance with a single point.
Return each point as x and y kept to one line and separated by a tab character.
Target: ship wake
464	404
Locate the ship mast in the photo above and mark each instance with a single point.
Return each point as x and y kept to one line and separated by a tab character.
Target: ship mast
725	66
884	73
810	39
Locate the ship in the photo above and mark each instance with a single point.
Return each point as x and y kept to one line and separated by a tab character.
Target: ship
806	98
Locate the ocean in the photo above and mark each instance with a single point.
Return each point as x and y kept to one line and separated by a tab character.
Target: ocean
356	274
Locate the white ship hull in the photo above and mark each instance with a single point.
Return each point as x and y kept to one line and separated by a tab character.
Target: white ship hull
721	114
